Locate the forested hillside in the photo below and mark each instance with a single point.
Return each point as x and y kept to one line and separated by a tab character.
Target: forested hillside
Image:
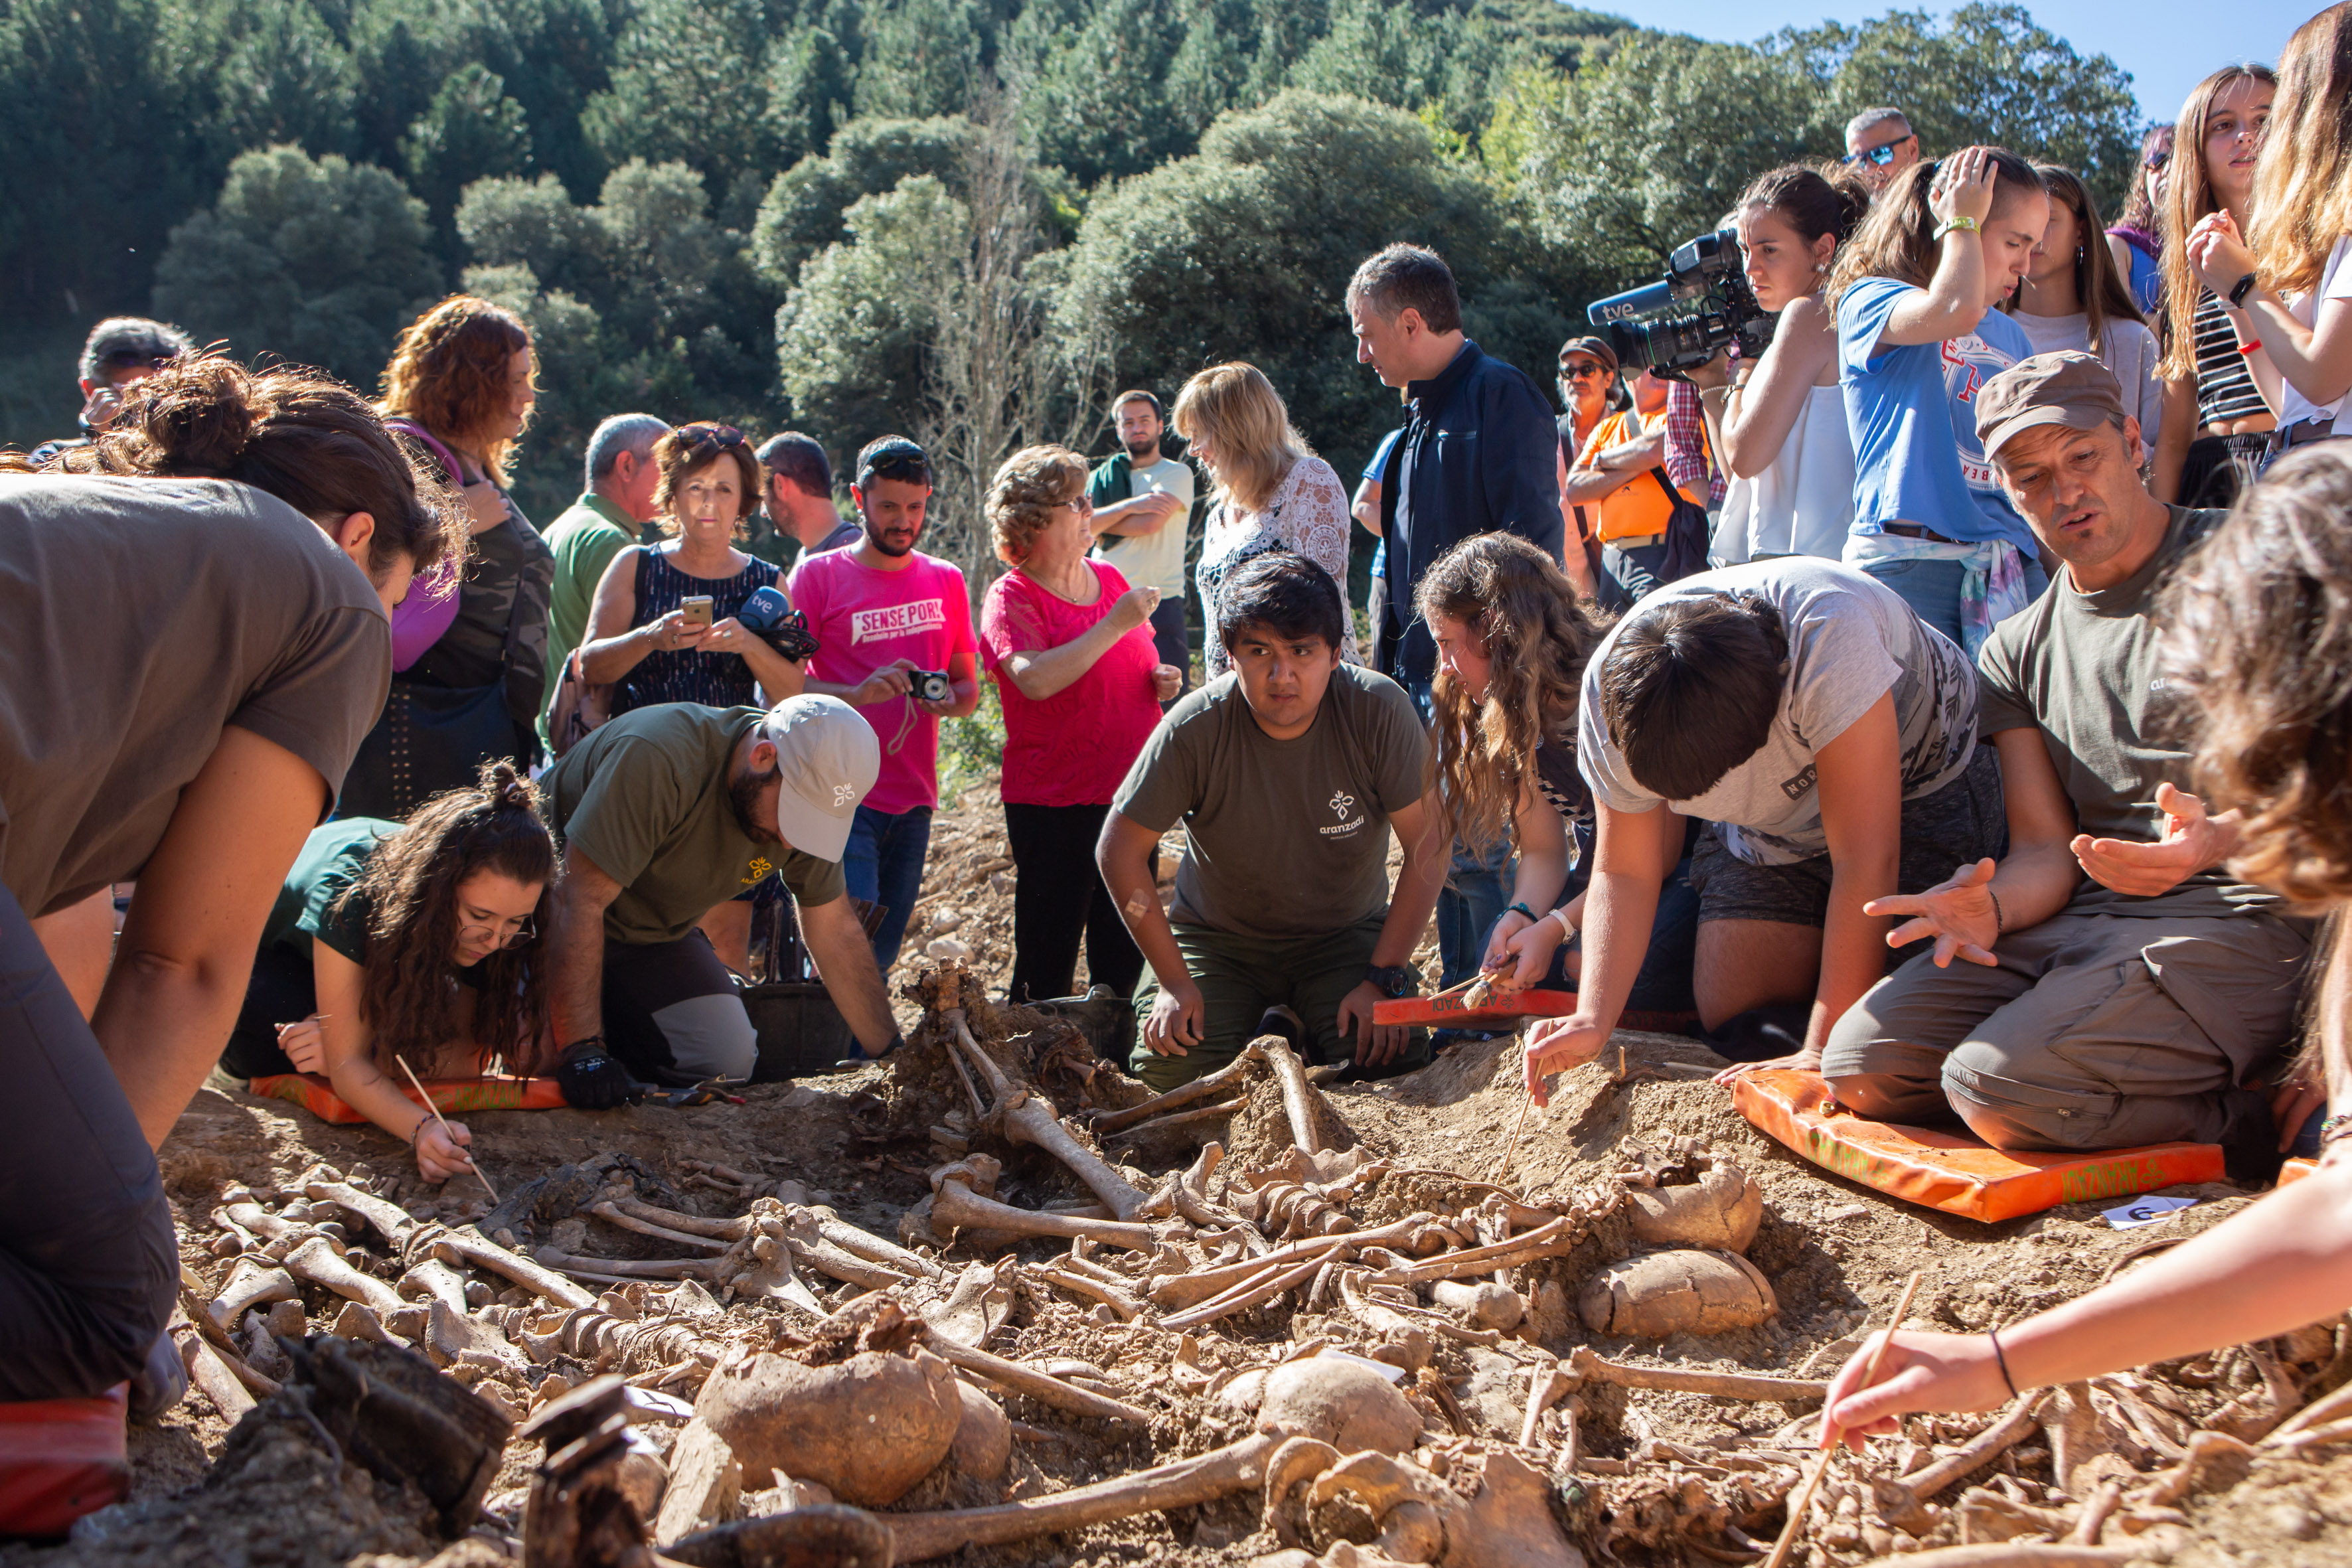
961	219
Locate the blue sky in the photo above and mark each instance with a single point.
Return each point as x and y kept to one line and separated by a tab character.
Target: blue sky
2166	45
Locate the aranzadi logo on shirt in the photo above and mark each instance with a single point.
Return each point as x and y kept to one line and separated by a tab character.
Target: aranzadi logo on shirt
1341	803
898	620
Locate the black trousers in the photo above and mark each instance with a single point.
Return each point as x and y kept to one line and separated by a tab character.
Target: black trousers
1058	898
284	989
89	1269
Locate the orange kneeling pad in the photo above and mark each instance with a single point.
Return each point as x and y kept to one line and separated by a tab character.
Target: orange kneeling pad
61	1458
316	1095
1951	1171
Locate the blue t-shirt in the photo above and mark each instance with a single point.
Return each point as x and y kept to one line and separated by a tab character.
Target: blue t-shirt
1912	413
1381	454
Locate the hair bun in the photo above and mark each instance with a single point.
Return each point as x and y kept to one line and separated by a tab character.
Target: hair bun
506	787
197	416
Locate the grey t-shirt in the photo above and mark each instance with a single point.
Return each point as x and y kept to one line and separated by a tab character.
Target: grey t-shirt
1155	560
142	617
1852	640
2081	668
1281	838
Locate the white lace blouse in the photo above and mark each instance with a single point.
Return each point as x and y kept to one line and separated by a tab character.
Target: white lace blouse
1308	513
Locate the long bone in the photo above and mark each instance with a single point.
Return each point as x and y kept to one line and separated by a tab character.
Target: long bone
957	1207
1203	1087
392	1222
1030	1117
318	1261
469	1246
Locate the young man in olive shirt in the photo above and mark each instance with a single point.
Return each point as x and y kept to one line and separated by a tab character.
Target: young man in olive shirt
1286	772
2120	987
664	813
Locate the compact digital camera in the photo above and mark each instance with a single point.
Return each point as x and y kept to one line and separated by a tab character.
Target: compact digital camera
1679	323
930	685
769	615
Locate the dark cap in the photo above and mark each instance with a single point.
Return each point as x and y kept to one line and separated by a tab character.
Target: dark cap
2070	388
1596	347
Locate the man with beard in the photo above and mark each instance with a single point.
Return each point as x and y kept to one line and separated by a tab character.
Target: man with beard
1143	515
884	616
664	813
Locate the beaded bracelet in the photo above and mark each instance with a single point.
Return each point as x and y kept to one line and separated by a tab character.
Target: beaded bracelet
2336	1126
1998	925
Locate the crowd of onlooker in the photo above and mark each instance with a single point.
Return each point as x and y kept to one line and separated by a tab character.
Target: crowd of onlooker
1711	694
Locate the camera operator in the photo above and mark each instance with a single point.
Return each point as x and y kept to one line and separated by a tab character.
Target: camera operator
886	615
1782	416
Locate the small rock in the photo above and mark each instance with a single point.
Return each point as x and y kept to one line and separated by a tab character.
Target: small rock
2294	1524
1001	883
948	950
946	920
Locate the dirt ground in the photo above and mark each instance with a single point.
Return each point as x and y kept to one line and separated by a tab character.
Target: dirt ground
1836	1256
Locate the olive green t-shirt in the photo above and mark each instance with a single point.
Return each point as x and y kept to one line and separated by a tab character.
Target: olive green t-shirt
1281	838
2081	668
646	798
311	905
138	618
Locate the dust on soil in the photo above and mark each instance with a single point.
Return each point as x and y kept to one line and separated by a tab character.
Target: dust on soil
1835	1253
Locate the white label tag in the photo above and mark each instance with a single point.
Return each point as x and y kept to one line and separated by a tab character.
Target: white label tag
2146	1211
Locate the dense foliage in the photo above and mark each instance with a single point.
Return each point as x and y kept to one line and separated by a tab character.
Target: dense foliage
774	211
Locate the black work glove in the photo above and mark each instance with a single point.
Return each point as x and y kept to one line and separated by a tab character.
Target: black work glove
591	1079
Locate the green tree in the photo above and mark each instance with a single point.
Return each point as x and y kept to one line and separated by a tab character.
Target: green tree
272	72
1244	251
810	85
691	85
316	260
471	128
1093	97
803	210
920	58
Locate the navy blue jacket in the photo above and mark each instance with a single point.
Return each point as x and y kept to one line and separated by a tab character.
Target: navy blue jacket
1480	453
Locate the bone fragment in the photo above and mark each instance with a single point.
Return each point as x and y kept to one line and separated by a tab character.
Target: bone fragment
432	1280
208	1372
957	1207
810	1246
318	1261
866	1244
359	1323
250	1285
1037	1385
1297	1100
693	1224
1583	1362
1029	1117
392	1222
1202	1088
613	1215
625	1267
1126	1306
1269	1285
1190	1288
1544	1241
1547	1383
1180	1119
1981	1449
1238	1467
1482	1305
469	1246
704	1482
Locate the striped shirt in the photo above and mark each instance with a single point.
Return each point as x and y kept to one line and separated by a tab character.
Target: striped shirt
2225	388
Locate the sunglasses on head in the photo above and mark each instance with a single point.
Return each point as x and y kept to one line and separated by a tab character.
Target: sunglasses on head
1883	156
2157	158
703	435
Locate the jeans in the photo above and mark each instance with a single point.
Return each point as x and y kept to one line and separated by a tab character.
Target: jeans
1932	589
1476	892
88	1265
883	864
1059	900
1168	637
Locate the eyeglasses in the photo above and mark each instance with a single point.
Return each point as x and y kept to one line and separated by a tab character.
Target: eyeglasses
1883	156
1582	369
524	937
703	435
1083	503
2157	158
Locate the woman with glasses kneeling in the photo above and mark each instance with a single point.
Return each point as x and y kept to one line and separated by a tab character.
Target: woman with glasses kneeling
414	945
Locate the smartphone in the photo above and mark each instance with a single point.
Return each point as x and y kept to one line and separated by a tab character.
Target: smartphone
696	607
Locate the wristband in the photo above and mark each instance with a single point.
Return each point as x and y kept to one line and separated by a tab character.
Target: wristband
417	1132
1998	925
1521	909
2249	348
2240	289
583	1040
1962	221
2002	1360
2335	1127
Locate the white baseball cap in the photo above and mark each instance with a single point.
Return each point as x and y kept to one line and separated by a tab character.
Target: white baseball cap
826	759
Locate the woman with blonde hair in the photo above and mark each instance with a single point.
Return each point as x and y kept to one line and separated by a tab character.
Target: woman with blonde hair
2216	428
2258	640
469	660
2290	299
1070	645
1272	492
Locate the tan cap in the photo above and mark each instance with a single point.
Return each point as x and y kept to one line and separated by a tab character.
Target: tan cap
826	759
2070	388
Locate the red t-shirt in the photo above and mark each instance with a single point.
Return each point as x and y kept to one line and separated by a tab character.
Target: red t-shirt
1074	747
863	619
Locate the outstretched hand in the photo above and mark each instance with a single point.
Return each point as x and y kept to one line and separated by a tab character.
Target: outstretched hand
1558	1045
1957	912
2193	842
1918	1371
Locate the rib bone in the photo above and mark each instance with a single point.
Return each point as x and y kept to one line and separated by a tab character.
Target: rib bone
1202	1088
1029	1117
318	1261
627	1268
1028	1379
1583	1362
1238	1467
613	1215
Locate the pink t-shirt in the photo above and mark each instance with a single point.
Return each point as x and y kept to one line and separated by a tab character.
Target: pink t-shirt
863	619
1074	747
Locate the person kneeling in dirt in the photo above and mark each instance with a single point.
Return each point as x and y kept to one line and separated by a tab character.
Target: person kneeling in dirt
1828	738
666	813
1284	772
2120	984
411	945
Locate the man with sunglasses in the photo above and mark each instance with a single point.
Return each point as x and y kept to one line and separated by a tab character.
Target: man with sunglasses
120	353
884	613
1879	145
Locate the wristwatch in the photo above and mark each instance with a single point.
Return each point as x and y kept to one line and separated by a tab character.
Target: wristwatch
1393	982
2240	289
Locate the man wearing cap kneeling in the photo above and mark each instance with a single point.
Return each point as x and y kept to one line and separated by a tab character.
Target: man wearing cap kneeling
2117	986
665	813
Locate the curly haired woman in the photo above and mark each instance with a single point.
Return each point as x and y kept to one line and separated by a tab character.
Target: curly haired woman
391	944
